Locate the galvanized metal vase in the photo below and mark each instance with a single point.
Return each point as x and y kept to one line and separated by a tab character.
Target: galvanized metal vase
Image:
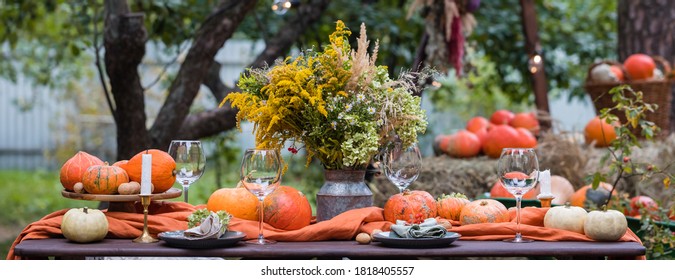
342	190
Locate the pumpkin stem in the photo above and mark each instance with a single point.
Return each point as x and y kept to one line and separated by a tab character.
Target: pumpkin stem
85	210
567	204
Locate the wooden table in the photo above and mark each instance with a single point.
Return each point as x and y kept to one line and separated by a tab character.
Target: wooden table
60	248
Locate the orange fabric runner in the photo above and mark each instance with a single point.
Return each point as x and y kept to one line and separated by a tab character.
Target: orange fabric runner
169	216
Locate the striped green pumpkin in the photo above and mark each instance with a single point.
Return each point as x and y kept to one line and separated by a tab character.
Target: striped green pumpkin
103	179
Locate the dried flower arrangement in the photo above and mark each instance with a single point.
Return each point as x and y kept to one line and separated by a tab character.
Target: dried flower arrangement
336	103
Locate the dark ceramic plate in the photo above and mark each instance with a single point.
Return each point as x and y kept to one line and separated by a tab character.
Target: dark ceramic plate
177	239
392	240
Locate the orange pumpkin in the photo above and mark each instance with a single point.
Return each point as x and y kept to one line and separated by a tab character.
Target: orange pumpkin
502	117
287	208
525	138
587	195
163	165
73	169
104	179
463	144
498	191
500	137
527	120
410	206
484	211
600	132
450	206
477	123
239	202
120	163
639	66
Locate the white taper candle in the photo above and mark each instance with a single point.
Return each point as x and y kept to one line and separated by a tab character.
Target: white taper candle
146	174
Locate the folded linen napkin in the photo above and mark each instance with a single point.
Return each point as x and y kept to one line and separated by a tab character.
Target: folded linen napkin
209	228
429	228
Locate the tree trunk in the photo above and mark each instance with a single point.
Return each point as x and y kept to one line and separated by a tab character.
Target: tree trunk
647	26
124	41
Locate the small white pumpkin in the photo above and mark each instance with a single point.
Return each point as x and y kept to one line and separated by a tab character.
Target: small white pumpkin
566	217
84	225
607	225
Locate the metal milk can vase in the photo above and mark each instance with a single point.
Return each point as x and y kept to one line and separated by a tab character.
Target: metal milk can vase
342	190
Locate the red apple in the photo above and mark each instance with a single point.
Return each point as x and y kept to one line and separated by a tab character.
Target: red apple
526	120
502	117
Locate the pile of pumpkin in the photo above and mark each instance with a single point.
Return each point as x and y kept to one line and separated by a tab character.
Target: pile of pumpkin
489	136
416	206
85	173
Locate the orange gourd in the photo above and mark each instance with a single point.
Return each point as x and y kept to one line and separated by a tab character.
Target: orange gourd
499	191
484	211
587	195
600	132
500	137
73	169
450	206
239	202
410	206
463	144
163	165
287	208
104	179
120	163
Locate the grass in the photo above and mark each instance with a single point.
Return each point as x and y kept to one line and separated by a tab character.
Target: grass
31	195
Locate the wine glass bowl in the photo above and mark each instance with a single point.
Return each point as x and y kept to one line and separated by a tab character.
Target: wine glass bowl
261	174
518	171
190	162
402	164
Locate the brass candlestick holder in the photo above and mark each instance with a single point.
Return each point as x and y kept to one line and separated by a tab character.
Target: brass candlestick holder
145	236
545	201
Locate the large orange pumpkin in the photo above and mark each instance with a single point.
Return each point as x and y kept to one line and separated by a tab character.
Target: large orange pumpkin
500	137
527	120
600	132
450	206
287	208
239	202
73	169
463	144
499	191
163	165
639	66
120	163
103	179
477	123
525	138
484	211
587	195
410	206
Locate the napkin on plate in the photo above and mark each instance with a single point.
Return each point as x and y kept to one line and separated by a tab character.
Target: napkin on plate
429	228
209	228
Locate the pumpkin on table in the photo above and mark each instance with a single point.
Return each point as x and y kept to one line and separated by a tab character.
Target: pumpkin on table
84	225
605	225
163	169
412	206
104	179
484	211
73	169
566	217
287	208
450	206
239	202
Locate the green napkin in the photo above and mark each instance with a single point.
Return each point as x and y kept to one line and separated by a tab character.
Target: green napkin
429	228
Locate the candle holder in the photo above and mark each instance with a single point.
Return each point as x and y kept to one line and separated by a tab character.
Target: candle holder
545	200
145	236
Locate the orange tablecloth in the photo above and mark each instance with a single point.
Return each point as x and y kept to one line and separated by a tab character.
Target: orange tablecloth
169	216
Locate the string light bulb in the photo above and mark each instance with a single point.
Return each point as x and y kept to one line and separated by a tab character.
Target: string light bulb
281	7
535	63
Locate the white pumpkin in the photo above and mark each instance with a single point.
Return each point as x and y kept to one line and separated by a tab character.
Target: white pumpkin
607	225
566	217
562	189
84	225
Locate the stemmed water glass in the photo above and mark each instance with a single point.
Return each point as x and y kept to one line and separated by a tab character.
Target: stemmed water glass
190	162
261	174
518	171
402	164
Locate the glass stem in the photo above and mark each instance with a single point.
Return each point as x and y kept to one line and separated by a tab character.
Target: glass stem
518	199
186	187
260	225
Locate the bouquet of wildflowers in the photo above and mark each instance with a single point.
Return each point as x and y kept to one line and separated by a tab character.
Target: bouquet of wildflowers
336	103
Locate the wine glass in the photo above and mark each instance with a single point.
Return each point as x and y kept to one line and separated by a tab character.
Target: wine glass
260	175
190	162
402	164
518	171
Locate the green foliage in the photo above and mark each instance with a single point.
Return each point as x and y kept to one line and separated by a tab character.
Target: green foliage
198	216
573	35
